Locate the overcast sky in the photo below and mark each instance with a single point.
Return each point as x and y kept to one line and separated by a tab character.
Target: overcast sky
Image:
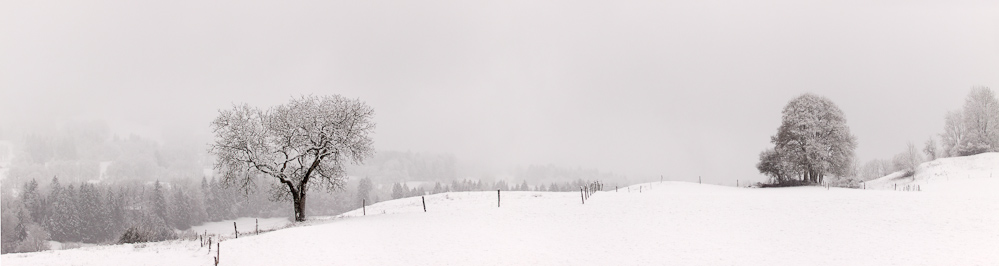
679	88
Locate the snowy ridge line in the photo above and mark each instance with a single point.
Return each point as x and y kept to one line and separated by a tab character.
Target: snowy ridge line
455	201
954	174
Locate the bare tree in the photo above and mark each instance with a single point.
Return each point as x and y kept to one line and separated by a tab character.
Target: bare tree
303	144
930	148
875	168
954	133
913	157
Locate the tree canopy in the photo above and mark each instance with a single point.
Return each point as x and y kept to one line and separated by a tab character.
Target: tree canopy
303	144
812	141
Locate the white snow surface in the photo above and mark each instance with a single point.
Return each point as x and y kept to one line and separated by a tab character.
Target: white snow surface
968	174
671	223
246	225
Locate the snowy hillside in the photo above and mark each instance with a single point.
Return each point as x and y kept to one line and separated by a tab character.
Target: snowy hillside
248	224
968	174
671	223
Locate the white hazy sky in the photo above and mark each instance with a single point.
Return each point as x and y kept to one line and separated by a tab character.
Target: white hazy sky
679	88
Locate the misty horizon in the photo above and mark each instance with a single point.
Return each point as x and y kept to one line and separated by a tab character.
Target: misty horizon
637	88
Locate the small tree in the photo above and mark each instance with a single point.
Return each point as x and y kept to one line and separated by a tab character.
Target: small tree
160	208
363	190
398	192
304	143
914	158
930	149
182	209
770	165
437	188
954	133
908	160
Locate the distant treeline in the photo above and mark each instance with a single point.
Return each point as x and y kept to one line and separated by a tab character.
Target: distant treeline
92	213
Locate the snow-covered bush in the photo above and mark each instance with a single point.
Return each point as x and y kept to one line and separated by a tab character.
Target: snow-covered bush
139	234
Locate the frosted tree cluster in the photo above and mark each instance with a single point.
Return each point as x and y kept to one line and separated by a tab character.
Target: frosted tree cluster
971	130
975	128
813	141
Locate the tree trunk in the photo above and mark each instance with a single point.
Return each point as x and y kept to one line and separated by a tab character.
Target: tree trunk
299	201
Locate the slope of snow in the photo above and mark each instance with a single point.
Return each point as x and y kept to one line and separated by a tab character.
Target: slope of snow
245	225
968	174
671	223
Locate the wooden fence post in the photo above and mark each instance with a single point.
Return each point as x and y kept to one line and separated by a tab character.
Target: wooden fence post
582	196
424	203
364	207
256	226
218	254
615	188
497	198
234	229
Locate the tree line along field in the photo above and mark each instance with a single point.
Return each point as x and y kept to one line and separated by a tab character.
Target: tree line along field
109	214
101	213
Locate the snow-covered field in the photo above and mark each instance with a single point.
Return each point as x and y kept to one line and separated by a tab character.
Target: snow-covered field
245	225
671	223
